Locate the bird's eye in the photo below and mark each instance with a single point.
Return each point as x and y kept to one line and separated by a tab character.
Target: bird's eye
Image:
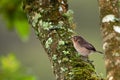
75	38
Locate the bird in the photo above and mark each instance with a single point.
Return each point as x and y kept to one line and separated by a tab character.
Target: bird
83	47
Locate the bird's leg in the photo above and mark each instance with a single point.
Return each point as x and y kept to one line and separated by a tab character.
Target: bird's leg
85	58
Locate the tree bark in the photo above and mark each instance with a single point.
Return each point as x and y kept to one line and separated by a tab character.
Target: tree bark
110	27
53	24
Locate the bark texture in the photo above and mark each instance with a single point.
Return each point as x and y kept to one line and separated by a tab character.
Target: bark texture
53	24
110	27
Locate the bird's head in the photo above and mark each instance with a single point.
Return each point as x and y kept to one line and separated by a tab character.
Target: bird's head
77	38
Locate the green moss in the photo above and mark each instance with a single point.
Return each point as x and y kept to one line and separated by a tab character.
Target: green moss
35	19
54	57
60	23
66	52
36	32
69	15
65	59
63	69
59	61
70	30
61	42
45	25
48	42
48	25
82	71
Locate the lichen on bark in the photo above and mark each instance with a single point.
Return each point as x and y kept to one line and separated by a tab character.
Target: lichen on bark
110	27
53	24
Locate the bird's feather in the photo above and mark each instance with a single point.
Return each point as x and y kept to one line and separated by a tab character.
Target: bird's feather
86	45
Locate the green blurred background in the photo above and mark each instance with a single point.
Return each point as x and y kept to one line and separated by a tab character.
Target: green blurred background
32	55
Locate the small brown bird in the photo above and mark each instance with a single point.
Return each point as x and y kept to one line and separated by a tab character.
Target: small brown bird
82	46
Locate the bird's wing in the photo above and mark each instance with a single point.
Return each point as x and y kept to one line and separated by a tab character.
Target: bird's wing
88	46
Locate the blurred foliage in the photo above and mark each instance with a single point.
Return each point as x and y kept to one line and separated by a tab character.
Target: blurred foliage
12	13
11	69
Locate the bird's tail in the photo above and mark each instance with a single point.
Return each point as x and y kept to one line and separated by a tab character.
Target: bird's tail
100	52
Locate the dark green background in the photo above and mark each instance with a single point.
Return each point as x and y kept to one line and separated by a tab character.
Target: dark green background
31	53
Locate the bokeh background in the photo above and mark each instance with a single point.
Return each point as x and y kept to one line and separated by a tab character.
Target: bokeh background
32	55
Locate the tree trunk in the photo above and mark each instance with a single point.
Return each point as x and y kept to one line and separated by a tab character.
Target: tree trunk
110	27
53	24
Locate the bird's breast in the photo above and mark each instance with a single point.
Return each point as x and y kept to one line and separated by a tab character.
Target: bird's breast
82	50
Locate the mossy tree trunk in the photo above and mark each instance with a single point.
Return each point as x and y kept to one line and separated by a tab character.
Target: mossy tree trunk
53	24
110	27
